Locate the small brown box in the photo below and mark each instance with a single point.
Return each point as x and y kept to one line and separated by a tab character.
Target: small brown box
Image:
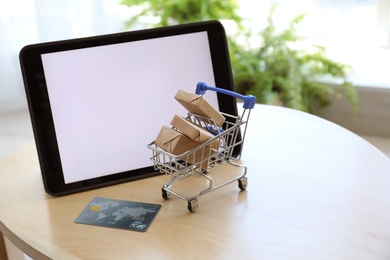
174	142
177	143
193	131
198	105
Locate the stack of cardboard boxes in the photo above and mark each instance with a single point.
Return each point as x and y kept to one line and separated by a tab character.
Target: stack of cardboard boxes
184	135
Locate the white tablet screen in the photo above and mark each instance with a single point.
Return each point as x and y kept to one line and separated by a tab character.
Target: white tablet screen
109	102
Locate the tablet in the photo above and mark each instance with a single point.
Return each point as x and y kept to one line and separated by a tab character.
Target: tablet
95	103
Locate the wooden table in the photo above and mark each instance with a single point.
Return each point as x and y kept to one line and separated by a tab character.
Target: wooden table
315	190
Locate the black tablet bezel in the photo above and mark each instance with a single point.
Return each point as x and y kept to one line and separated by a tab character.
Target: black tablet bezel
39	103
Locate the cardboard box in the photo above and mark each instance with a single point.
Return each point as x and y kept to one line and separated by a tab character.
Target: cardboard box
174	142
198	105
177	143
193	131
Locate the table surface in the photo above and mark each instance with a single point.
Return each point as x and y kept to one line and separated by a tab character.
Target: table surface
315	190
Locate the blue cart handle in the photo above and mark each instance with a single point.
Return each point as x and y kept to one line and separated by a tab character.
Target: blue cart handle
249	100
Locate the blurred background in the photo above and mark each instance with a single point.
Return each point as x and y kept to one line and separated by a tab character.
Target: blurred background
355	32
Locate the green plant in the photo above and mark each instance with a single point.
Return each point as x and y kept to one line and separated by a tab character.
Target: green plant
276	69
287	68
184	11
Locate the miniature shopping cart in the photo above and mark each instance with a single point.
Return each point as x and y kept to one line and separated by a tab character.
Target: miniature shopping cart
216	151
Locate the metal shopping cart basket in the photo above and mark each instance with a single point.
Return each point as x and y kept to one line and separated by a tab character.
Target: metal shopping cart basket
216	151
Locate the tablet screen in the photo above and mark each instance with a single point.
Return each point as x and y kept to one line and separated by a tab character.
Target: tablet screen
108	102
95	103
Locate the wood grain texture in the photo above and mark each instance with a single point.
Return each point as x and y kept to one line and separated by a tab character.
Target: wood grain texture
315	191
3	251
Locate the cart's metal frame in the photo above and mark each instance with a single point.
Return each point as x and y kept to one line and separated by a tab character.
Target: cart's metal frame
200	160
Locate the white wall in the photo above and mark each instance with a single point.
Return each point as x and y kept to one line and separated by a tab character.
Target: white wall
374	112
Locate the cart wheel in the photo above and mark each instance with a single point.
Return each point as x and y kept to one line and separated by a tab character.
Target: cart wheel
165	194
192	205
243	183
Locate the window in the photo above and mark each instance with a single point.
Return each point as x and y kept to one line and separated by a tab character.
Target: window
355	32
